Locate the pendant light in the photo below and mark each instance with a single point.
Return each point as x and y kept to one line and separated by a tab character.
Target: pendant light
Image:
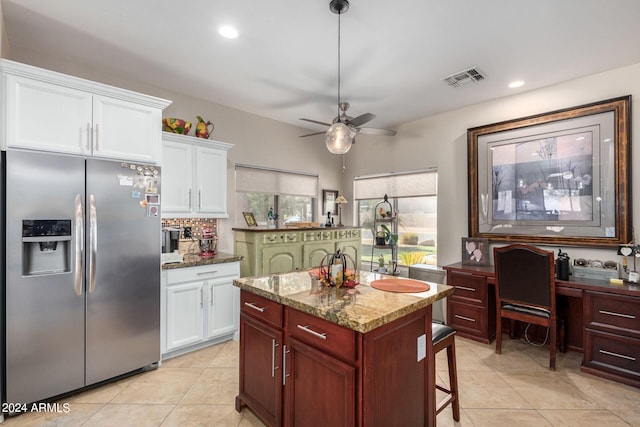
339	136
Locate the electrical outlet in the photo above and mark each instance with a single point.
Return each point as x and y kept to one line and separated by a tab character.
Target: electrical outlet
187	233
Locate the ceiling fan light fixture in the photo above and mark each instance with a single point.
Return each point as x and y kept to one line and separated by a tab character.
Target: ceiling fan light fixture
339	138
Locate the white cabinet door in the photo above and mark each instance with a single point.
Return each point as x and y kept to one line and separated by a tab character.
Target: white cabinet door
221	309
211	181
194	177
176	177
185	320
125	130
45	116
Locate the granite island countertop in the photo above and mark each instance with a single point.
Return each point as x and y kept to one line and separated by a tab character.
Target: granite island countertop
194	260
362	308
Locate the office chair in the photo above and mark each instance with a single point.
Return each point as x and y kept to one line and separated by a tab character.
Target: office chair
525	290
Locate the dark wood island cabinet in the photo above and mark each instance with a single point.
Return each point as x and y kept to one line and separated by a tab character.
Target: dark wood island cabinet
312	355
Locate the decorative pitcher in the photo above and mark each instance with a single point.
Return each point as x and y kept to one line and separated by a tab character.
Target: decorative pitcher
202	128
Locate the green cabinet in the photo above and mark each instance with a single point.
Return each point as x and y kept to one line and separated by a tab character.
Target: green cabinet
269	251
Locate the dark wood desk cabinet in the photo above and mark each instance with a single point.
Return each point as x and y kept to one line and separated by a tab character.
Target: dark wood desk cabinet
612	336
599	319
471	310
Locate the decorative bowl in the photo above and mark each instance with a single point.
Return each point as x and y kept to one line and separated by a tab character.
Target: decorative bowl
178	126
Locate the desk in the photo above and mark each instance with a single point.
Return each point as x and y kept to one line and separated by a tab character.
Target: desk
596	318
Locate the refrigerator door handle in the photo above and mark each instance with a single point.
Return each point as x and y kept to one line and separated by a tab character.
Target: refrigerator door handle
93	242
79	245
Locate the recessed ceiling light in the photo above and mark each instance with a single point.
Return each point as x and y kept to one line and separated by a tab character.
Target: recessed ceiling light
228	32
516	84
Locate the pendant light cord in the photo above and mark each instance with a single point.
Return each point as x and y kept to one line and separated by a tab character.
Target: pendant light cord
340	13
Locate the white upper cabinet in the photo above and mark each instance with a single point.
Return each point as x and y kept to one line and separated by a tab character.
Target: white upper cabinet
194	177
48	111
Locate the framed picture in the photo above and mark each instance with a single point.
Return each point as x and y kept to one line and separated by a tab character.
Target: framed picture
329	202
475	251
559	178
250	219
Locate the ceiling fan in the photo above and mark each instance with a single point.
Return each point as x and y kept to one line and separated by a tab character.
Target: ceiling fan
342	131
354	123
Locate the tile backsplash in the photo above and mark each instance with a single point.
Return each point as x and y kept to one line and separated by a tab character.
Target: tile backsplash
187	246
196	224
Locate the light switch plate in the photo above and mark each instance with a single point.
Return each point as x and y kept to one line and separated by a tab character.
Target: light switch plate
422	347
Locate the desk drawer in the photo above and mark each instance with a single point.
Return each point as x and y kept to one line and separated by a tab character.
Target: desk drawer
615	313
321	334
468	287
261	308
467	318
203	272
614	353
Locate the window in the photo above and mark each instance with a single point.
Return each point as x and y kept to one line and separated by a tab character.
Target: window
292	195
414	196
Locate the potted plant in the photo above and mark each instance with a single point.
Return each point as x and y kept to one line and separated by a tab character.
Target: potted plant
381	267
381	238
389	237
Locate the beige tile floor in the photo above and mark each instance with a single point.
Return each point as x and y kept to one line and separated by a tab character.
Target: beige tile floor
512	389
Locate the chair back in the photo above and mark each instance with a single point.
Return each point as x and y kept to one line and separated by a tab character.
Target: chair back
525	274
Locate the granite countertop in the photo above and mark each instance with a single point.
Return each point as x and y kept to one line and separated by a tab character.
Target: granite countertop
362	308
194	260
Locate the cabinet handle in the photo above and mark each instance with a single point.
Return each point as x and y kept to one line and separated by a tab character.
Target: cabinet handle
312	332
97	141
464	318
199	199
201	297
621	356
284	364
87	145
274	344
255	307
202	273
211	295
612	313
465	288
189	199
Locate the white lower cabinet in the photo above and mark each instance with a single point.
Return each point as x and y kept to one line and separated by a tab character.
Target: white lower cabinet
200	305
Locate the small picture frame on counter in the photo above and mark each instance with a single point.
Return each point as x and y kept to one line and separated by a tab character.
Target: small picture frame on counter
250	219
475	251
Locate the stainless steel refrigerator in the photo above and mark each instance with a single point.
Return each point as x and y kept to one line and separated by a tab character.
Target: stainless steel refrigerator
82	272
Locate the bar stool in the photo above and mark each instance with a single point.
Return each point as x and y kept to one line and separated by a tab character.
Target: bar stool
444	337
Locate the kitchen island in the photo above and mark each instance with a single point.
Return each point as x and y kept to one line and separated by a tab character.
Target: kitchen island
317	355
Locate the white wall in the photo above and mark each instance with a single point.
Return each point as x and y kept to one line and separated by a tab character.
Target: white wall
441	141
438	141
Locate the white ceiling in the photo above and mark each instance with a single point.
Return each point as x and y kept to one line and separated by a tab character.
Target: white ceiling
284	63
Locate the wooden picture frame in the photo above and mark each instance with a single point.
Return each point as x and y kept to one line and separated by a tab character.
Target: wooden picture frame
329	202
250	219
558	178
475	251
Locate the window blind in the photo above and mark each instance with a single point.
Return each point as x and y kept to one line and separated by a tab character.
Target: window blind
404	184
254	179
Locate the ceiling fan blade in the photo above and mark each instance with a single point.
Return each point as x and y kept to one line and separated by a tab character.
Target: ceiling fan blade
311	134
376	131
316	122
362	119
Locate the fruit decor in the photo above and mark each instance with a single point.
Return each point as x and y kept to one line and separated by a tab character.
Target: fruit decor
178	126
335	271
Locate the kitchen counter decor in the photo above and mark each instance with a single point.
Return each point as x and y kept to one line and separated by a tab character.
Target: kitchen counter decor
335	271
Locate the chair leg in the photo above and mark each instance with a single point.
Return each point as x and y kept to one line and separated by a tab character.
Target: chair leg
453	380
499	334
